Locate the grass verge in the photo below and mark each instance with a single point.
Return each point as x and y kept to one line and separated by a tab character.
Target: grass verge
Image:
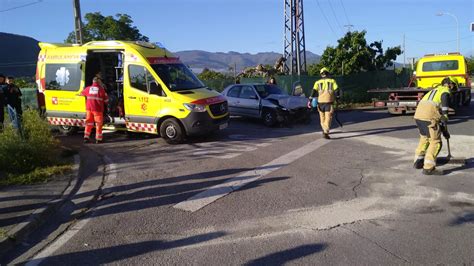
39	175
3	233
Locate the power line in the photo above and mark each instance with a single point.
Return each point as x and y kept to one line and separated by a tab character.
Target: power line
327	21
345	13
21	6
15	63
18	65
335	16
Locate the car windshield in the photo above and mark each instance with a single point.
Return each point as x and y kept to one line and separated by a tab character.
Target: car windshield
177	77
265	90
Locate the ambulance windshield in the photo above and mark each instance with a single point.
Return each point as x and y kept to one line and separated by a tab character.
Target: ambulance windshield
177	77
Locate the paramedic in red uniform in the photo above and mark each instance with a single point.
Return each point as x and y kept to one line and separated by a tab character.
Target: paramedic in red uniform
96	99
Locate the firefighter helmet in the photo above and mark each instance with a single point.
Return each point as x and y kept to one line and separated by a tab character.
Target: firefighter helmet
450	80
323	70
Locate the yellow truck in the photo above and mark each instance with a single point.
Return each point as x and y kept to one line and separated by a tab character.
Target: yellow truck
150	90
430	70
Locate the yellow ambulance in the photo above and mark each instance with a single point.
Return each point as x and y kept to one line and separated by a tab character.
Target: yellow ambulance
150	90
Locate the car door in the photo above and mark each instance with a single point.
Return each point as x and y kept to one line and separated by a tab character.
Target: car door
143	98
232	96
249	101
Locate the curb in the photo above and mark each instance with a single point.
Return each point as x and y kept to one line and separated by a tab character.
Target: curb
365	108
39	216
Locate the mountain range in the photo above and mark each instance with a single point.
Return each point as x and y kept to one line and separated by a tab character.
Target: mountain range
219	61
18	56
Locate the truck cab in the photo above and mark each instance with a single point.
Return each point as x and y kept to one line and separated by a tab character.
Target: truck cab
150	90
433	68
430	71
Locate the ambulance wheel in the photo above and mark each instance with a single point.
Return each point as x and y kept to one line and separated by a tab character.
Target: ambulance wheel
67	130
171	131
269	117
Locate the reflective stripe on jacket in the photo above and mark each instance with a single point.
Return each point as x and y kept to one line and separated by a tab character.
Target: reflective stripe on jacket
325	88
432	105
96	97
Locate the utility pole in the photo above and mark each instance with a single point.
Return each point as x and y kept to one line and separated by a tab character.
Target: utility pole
77	21
349	27
294	40
412	59
404	52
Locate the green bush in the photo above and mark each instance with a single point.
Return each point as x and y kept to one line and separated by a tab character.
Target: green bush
35	147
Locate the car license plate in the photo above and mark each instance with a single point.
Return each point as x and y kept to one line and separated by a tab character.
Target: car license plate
408	104
223	126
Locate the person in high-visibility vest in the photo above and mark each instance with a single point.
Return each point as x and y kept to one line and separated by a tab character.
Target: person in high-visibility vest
327	92
430	117
96	99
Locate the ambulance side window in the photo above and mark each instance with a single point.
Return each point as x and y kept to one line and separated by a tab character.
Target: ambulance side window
63	77
138	76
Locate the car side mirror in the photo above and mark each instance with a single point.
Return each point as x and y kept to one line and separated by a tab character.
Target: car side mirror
155	88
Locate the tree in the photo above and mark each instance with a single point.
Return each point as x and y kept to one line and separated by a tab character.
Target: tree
208	74
98	27
470	64
355	55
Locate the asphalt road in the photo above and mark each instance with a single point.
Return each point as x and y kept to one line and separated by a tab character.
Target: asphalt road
256	195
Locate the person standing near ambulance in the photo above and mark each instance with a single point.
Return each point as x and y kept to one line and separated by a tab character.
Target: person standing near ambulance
431	116
96	99
327	92
3	89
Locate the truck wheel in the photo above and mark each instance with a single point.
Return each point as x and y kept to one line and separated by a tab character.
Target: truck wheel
171	131
269	117
67	130
394	111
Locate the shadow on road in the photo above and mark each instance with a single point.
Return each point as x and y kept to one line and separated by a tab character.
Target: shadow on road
466	218
122	252
282	257
161	192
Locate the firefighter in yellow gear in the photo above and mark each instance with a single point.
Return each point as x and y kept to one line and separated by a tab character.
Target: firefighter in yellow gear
326	92
431	117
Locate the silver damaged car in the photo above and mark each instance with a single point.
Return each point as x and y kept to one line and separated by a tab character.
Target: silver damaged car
268	102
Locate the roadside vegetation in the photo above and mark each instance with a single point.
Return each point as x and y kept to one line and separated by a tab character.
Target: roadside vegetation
31	155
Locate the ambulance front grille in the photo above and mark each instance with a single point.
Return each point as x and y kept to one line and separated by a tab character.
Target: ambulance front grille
218	109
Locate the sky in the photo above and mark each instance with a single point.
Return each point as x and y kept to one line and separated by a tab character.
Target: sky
252	26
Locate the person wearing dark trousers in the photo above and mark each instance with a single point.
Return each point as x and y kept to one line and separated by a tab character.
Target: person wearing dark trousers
3	88
16	92
13	102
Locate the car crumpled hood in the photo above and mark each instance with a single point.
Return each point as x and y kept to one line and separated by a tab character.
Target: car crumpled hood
289	102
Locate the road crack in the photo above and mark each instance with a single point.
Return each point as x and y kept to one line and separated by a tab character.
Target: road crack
360	182
377	244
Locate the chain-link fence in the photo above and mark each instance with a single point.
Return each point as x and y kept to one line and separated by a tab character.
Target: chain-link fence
29	100
354	86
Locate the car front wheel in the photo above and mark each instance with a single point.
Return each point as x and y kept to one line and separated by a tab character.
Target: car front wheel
269	117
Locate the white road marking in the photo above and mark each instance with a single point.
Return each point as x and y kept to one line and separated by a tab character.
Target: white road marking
63	239
71	232
231	149
218	191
